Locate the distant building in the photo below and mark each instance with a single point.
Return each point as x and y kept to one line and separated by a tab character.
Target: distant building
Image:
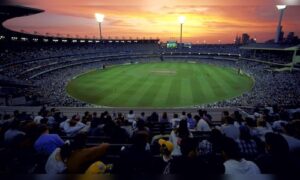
245	38
237	40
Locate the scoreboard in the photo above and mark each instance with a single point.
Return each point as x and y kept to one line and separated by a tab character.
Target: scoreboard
171	44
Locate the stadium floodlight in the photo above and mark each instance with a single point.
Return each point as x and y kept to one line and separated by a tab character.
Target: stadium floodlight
99	19
181	20
281	9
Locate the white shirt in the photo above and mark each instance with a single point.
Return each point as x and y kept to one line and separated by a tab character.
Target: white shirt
202	125
131	117
241	167
54	166
174	139
72	130
231	131
37	119
175	122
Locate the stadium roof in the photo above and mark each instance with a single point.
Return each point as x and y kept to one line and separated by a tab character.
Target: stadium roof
8	12
271	47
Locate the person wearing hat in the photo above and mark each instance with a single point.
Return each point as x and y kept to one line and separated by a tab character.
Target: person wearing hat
166	148
98	167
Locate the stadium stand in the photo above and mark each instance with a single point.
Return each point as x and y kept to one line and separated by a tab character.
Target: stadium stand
257	132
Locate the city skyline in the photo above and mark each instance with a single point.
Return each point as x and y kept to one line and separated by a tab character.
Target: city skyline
210	21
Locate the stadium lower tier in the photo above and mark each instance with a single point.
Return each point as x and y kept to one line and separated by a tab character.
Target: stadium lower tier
212	87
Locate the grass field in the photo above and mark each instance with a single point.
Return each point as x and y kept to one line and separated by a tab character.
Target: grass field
160	84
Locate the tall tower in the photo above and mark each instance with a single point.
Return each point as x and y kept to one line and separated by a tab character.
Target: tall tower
279	33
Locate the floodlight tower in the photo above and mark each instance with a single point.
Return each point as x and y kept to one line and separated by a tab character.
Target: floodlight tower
181	20
281	9
99	19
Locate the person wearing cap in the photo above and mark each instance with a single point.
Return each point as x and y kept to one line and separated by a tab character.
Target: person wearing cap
166	148
98	167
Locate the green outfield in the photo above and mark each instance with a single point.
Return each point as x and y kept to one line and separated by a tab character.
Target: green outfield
159	84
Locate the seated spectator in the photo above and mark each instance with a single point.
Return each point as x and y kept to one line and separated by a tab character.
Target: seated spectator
191	122
238	119
47	143
277	159
205	116
38	118
81	157
251	124
72	126
13	133
141	128
142	116
247	145
161	135
202	125
234	163
175	121
229	129
177	135
262	129
183	115
56	162
225	115
189	163
166	148
131	116
153	118
135	159
86	118
164	118
115	132
294	143
120	118
212	145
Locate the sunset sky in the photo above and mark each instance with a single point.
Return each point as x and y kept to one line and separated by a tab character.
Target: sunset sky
210	20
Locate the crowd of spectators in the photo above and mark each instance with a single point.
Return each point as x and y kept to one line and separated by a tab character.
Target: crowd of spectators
264	141
49	70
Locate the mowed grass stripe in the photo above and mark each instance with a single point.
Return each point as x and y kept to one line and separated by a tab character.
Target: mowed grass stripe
165	90
214	82
119	88
197	87
130	93
96	94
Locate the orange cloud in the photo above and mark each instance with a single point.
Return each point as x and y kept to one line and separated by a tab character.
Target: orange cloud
209	20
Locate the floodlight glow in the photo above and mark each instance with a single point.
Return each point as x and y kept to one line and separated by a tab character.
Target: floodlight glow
181	19
281	7
99	17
